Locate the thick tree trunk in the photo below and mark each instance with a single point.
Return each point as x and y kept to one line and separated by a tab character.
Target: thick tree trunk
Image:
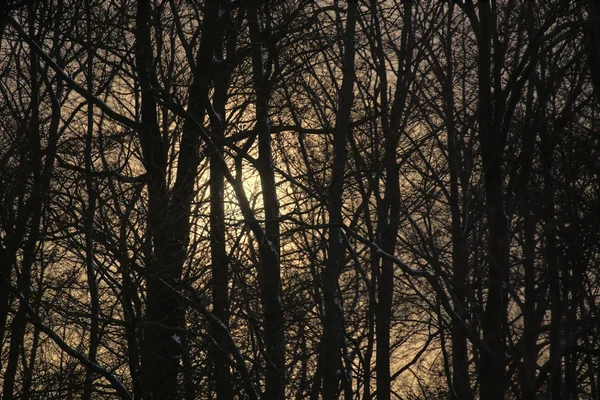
169	218
160	359
492	372
32	157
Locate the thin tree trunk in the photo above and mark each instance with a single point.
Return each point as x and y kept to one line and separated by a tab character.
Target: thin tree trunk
571	388
219	257
89	219
389	209
461	387
129	315
29	368
334	316
371	326
460	258
592	43
555	387
270	275
530	354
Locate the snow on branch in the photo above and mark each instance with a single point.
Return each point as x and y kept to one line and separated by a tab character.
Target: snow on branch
97	368
70	82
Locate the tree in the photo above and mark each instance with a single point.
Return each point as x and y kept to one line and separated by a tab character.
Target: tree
298	199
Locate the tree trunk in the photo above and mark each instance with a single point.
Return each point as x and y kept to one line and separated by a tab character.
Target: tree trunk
89	218
592	43
168	219
219	257
492	372
32	157
159	356
461	387
334	316
530	354
555	386
389	209
270	275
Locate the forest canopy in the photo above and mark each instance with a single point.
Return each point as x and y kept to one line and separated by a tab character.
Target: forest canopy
299	199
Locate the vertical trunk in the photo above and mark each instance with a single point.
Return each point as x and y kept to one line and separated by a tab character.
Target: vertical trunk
159	355
188	161
492	365
556	375
219	257
30	216
220	274
460	360
8	250
528	369
128	295
571	389
318	375
590	359
592	43
371	326
270	278
389	209
334	317
168	221
575	259
19	322
33	208
461	387
189	388
525	204
6	266
89	219
129	315
303	356
29	368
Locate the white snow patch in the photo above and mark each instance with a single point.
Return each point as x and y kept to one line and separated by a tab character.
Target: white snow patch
176	339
